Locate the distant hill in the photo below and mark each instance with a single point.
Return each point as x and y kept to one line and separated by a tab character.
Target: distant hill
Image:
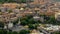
2	1
18	1
22	1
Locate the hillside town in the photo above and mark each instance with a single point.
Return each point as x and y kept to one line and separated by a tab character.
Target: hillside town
30	17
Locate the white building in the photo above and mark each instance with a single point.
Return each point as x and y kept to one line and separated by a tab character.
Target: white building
8	25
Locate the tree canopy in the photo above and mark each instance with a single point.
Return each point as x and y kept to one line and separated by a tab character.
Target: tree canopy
12	1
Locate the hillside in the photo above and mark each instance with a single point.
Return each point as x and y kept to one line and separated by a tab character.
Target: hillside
3	1
17	1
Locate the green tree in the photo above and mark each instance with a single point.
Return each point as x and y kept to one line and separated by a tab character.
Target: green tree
15	22
24	23
14	32
1	24
23	1
24	32
10	11
1	31
28	20
4	31
57	32
33	26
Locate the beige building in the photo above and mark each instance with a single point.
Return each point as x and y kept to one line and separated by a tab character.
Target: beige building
11	5
57	16
40	1
36	32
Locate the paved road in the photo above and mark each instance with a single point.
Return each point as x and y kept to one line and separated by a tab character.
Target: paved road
44	31
17	28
